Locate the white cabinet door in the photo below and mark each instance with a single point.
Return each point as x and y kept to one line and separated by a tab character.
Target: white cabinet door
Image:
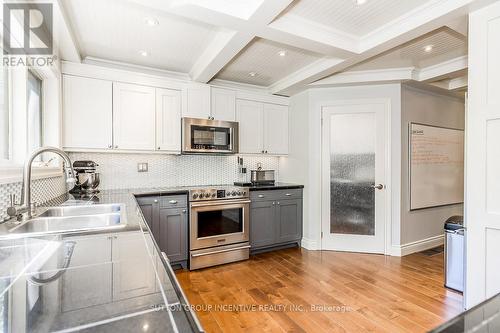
133	116
275	129
223	104
250	116
197	101
133	268
87	281
87	113
168	120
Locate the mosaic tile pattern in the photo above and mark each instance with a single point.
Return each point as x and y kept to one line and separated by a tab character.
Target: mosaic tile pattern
42	190
118	171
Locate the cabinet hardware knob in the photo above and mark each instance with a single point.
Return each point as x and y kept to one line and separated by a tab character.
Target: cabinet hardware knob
183	211
115	237
274	203
110	146
173	202
155	201
116	146
262	152
288	194
159	148
260	195
278	202
266	151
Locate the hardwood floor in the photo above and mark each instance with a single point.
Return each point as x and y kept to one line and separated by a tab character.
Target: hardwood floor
365	293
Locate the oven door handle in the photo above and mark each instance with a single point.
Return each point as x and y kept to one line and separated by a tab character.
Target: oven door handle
205	204
220	251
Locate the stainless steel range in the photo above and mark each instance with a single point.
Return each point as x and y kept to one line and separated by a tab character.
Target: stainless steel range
219	231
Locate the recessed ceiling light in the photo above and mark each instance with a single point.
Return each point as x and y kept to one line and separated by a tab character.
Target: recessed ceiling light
151	21
360	2
282	53
252	74
143	53
428	48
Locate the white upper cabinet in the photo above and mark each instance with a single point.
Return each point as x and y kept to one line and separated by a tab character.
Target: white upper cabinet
223	104
275	129
197	101
263	127
133	116
87	117
250	115
168	120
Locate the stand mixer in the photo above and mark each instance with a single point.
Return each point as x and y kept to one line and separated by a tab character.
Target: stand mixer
87	179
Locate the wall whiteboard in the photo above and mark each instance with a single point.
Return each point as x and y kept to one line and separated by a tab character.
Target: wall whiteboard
436	166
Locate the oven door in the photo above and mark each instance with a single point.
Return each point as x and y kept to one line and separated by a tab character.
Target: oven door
219	223
209	136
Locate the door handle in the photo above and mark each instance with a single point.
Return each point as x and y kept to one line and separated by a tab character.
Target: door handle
378	186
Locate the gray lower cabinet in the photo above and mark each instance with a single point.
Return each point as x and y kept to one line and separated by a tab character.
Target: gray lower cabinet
275	219
289	220
262	226
168	220
173	233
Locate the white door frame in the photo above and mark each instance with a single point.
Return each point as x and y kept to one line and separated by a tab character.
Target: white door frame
388	153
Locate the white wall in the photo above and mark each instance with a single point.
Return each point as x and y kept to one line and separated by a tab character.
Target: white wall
304	162
429	108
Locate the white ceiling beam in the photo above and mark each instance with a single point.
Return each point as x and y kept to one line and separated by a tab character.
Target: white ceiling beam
368	76
333	42
442	70
458	83
224	47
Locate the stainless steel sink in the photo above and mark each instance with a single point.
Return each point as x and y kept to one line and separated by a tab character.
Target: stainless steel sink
74	219
62	211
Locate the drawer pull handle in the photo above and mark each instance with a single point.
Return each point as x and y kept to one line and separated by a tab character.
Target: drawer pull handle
220	251
261	195
288	194
173	202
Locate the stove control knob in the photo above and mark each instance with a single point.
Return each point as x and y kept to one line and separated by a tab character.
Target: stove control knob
195	196
213	195
228	194
233	193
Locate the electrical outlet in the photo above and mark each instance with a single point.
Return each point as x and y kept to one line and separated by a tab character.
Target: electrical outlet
142	167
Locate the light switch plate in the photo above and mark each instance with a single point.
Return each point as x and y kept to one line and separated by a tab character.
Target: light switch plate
142	167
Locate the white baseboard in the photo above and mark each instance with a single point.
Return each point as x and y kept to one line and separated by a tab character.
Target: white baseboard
417	246
310	244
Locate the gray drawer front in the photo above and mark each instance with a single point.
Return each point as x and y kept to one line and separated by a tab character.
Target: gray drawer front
173	201
276	194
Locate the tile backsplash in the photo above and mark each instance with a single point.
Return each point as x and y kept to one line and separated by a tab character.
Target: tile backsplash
42	190
119	170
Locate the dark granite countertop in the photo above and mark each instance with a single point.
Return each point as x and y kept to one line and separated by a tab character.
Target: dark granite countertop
114	281
276	186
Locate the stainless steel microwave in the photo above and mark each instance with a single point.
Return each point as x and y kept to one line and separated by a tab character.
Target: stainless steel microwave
201	136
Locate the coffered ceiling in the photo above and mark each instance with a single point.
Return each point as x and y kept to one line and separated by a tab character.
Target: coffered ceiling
263	62
240	40
350	18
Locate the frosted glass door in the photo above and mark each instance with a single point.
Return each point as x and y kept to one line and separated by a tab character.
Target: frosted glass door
352	170
353	176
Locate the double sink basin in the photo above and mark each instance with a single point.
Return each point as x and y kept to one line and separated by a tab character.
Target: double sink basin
83	218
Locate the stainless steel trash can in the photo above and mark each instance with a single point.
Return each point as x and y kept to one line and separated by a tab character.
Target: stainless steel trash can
454	253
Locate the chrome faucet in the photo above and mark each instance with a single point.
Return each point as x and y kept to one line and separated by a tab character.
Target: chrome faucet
25	207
